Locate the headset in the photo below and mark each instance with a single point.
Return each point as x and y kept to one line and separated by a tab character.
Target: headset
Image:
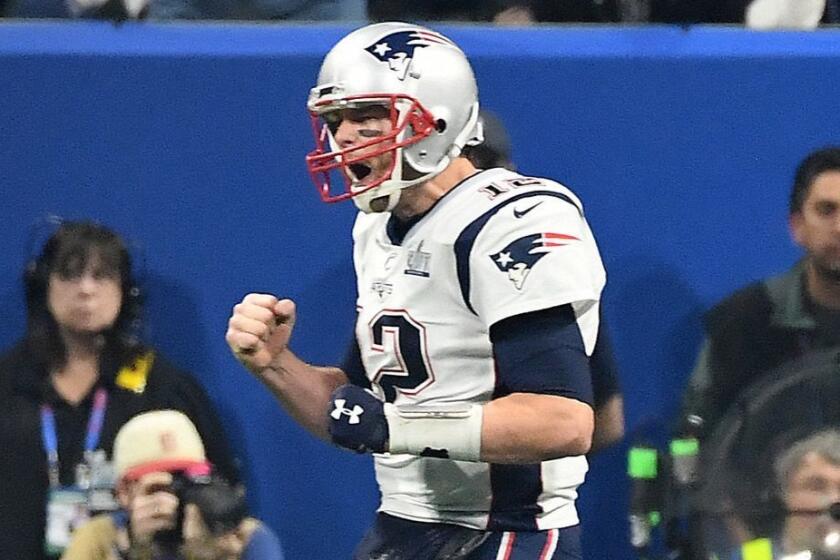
46	234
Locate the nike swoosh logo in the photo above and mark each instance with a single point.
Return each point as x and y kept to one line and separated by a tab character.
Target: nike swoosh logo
520	213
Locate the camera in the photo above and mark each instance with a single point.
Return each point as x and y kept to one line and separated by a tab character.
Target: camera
222	506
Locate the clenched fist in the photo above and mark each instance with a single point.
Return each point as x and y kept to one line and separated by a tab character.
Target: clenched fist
259	330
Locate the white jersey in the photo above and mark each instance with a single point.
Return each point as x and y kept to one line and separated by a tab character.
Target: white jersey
497	245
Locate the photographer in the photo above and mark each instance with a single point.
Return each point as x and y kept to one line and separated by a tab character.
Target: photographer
79	372
172	508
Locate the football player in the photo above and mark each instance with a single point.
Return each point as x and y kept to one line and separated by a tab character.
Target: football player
478	304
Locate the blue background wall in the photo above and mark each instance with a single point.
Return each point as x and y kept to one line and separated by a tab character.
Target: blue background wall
190	139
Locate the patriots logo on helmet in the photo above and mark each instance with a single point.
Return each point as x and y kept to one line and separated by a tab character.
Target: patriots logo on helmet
397	49
520	256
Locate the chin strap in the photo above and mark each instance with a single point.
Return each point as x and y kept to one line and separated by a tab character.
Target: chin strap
363	201
390	188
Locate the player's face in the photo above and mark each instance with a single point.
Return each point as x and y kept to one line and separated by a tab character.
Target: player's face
813	486
86	301
358	126
816	228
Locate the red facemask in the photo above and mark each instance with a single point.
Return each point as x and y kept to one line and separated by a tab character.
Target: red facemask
410	123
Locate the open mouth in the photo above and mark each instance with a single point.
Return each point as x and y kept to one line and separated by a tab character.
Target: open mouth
360	170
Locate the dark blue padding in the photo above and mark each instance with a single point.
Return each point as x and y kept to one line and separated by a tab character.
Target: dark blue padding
542	352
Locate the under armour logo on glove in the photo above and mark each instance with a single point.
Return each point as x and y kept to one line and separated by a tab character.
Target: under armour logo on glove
357	420
340	411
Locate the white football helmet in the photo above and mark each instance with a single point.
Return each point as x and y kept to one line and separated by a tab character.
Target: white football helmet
428	85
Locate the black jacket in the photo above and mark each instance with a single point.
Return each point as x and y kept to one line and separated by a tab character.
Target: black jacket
23	464
752	332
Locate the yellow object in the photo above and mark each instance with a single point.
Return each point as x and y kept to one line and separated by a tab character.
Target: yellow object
757	549
133	376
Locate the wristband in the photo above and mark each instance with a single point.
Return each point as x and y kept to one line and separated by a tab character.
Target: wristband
445	431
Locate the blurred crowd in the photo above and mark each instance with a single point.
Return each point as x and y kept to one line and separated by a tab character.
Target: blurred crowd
804	14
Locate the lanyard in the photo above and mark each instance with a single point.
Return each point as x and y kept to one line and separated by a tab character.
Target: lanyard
94	429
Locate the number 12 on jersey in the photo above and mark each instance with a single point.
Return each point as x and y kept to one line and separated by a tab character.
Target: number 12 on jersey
403	340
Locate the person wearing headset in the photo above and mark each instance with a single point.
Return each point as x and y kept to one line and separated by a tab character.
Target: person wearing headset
79	372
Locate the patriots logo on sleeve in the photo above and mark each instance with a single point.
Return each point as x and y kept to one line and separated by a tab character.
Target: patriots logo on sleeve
397	49
520	256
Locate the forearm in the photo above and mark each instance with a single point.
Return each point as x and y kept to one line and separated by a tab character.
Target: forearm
525	428
304	390
522	428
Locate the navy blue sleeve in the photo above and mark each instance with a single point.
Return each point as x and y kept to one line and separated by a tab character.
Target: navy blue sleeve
353	367
541	352
604	367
